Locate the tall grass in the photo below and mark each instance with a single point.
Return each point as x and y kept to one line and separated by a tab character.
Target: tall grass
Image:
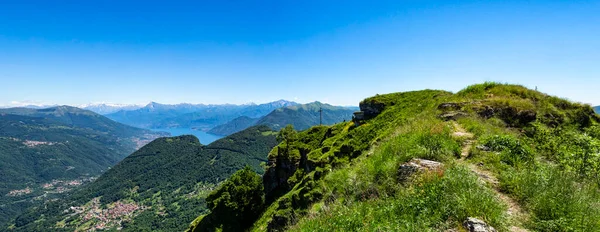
555	200
435	202
368	195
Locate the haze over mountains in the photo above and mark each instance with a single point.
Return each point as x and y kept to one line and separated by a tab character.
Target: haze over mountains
108	108
201	116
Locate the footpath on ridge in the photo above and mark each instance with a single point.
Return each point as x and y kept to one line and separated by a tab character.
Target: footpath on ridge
515	212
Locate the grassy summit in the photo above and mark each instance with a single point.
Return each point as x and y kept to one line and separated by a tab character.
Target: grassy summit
510	156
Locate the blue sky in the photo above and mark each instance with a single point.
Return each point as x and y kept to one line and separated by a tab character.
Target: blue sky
76	52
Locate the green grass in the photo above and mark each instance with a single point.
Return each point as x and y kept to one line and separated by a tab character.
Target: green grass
555	200
433	203
549	169
544	150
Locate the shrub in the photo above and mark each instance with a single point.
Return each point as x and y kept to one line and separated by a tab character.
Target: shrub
235	204
512	151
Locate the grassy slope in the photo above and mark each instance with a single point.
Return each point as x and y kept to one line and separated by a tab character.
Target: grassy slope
543	149
172	176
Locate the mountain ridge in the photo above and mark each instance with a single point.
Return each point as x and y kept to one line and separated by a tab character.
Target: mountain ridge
301	117
204	117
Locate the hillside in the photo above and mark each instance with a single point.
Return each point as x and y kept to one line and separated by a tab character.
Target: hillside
44	149
157	187
301	117
491	155
235	125
156	115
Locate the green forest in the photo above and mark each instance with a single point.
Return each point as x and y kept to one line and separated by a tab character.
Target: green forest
61	144
166	182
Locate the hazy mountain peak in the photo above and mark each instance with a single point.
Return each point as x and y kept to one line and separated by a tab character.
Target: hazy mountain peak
107	108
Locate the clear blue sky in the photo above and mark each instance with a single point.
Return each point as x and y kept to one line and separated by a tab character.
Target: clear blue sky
75	52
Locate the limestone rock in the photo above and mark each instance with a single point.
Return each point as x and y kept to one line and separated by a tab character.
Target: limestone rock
417	165
483	148
451	106
453	115
371	108
476	225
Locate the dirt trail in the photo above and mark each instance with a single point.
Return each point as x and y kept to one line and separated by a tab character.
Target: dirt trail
515	213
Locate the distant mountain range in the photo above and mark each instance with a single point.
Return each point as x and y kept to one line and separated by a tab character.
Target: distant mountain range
301	117
204	117
43	146
160	187
107	108
597	109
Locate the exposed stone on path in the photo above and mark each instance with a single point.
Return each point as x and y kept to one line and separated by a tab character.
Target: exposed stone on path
453	115
417	165
476	225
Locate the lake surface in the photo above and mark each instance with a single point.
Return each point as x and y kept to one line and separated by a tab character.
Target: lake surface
205	138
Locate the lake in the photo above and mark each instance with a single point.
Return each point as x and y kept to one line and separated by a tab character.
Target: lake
205	138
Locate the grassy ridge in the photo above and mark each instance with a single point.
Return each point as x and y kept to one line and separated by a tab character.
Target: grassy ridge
543	149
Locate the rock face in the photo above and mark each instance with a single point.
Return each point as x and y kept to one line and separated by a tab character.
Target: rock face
451	106
276	176
509	114
371	108
452	110
280	169
453	115
476	225
417	165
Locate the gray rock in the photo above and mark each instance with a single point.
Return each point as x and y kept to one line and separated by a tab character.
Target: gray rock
476	225
451	106
410	168
453	115
483	148
371	108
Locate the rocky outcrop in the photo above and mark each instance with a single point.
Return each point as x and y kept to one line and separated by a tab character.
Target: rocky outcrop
451	106
371	108
452	110
415	166
454	115
509	114
280	169
476	225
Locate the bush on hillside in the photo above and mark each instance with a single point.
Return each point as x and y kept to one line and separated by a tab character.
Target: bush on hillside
235	203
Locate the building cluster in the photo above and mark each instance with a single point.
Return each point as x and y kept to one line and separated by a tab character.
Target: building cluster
32	143
111	217
19	192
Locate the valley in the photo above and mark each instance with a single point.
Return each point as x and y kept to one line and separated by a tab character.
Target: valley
49	152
